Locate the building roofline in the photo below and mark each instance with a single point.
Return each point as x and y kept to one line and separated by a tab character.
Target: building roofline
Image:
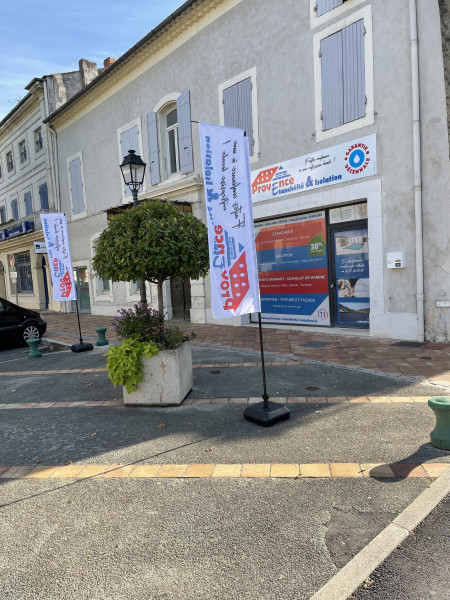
122	59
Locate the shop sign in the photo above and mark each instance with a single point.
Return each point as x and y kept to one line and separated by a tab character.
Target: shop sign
57	242
336	164
40	248
293	271
234	273
341	214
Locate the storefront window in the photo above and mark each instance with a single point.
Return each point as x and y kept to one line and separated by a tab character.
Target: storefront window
24	277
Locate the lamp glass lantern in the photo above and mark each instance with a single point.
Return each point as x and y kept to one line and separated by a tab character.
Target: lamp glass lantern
133	170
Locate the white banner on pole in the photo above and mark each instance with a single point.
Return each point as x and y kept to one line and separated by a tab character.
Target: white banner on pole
57	241
232	253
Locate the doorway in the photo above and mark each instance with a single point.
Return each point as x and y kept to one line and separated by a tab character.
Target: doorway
2	281
349	274
180	291
81	276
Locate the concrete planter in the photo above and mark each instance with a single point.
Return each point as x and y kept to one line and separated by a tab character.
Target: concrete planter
167	378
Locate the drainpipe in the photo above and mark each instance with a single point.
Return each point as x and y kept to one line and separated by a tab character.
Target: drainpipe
417	170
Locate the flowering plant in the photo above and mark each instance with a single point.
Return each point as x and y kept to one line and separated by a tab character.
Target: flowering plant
147	325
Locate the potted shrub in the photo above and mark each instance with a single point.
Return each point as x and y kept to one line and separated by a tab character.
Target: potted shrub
152	242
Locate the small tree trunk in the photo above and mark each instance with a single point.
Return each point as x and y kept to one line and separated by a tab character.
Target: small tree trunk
143	293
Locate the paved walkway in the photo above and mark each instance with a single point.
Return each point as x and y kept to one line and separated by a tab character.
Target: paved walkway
429	361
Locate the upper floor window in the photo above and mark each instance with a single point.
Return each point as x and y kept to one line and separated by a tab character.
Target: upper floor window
14	209
1	172
28	203
43	196
23	151
170	138
9	161
76	185
343	76
238	107
129	140
323	6
38	139
2	214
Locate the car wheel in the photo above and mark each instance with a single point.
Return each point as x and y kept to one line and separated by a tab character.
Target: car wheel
30	332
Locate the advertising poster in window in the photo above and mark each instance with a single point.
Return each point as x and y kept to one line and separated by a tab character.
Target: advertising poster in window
352	276
57	241
293	270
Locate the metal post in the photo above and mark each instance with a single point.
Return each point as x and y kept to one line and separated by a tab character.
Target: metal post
135	196
81	347
265	395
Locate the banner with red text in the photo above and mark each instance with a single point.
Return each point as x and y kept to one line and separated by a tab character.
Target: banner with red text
57	241
232	254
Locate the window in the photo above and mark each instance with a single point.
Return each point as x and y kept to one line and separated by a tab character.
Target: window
238	107
129	140
38	139
24	277
28	203
1	172
22	151
343	76
323	6
14	209
43	196
76	185
170	138
103	286
135	287
2	214
9	162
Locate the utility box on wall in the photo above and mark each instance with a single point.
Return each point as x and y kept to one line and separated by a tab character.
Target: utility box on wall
396	260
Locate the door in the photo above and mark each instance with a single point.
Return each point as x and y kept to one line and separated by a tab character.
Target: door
2	281
350	275
82	282
180	291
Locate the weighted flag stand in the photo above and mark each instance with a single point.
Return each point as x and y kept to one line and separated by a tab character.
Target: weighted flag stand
81	347
265	413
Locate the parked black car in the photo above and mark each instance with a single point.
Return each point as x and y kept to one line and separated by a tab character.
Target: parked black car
17	324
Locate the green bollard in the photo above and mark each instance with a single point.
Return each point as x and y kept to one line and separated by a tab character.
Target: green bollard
440	436
101	341
34	350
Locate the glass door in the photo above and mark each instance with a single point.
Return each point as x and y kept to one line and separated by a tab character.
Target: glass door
82	282
351	277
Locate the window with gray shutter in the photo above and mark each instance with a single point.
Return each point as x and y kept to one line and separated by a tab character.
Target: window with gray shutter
14	210
43	196
76	185
185	132
129	140
237	105
2	214
323	6
28	203
343	76
153	146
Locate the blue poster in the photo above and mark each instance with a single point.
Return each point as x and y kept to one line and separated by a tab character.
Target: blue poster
352	276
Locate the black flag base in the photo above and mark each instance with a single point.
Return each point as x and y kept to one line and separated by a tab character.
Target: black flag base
83	347
266	414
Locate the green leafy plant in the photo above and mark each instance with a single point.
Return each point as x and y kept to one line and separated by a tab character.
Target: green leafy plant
124	362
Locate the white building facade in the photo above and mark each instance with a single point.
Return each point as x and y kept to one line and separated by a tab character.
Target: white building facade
346	116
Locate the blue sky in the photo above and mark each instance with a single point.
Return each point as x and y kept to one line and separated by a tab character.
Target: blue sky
40	37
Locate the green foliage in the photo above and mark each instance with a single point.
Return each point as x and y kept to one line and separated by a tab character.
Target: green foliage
146	324
124	362
152	242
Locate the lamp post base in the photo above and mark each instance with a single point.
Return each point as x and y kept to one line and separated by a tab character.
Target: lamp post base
266	416
81	347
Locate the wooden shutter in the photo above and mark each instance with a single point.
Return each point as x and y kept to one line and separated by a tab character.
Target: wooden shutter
185	132
354	71
28	203
153	147
324	6
332	81
129	140
237	101
43	196
76	185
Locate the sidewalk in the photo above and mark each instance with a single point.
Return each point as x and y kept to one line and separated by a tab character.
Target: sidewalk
195	503
429	361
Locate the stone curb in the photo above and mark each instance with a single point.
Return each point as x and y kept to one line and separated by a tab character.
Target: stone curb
349	578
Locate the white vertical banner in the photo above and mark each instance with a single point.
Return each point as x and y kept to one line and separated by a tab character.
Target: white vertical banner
232	253
57	240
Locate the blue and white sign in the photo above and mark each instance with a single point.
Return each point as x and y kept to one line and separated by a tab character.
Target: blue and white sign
232	254
345	162
56	237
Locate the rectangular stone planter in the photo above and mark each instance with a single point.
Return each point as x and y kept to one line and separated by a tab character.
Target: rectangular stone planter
167	378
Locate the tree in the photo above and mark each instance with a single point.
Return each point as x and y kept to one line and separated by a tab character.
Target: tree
153	242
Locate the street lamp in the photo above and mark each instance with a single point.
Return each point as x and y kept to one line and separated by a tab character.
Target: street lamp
133	171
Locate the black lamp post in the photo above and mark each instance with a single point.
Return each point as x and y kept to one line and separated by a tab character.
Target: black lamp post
133	172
